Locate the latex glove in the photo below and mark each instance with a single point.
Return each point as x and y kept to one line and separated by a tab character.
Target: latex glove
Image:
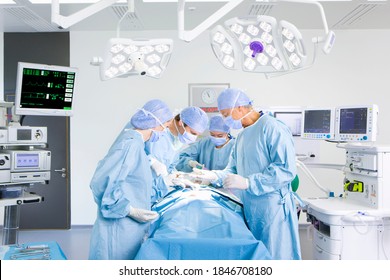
195	164
234	181
184	183
142	215
169	179
203	177
158	167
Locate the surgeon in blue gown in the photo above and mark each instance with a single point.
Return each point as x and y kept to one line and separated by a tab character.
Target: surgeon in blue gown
183	130
122	185
211	152
260	171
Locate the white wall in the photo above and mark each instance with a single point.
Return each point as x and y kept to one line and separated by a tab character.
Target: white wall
355	73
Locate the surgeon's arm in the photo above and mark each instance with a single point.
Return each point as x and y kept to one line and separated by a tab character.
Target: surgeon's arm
229	169
188	154
281	170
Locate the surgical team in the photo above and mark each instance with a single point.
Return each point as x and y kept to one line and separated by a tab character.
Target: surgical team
144	161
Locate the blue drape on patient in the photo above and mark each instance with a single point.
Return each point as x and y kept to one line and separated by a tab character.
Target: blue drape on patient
200	224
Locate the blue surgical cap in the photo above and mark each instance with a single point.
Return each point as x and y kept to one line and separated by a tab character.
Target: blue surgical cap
151	115
195	118
232	98
217	124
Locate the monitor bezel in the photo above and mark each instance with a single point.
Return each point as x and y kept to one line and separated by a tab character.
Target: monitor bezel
41	111
319	136
371	124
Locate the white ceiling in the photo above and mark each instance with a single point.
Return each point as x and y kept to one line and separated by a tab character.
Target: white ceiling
357	14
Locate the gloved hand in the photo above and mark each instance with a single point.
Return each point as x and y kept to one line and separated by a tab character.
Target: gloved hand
234	181
203	177
158	167
142	215
184	183
169	179
195	164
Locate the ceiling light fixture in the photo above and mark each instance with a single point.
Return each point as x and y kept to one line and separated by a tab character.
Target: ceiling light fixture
129	57
126	57
123	57
257	44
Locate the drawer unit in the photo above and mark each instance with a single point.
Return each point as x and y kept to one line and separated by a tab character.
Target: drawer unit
322	241
320	254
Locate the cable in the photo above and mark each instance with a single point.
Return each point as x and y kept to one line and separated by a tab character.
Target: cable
22	119
311	177
377	222
382	239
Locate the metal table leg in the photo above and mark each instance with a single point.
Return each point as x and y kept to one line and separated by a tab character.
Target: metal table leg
11	224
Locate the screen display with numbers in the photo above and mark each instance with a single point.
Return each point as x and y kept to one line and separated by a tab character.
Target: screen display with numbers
45	90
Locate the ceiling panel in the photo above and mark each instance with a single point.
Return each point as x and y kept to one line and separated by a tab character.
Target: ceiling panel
27	17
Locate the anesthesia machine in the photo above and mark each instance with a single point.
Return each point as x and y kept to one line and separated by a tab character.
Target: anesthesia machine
356	224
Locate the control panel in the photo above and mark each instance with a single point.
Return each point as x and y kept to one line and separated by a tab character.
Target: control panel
23	135
366	176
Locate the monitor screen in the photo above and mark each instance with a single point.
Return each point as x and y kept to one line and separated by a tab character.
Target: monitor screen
27	160
353	120
46	90
292	119
356	123
318	124
317	121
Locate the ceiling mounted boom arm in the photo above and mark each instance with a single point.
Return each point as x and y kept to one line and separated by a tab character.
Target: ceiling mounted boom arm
330	36
188	36
192	34
319	6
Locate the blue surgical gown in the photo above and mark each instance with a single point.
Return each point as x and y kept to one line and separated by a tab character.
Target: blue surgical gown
165	151
264	153
122	179
205	152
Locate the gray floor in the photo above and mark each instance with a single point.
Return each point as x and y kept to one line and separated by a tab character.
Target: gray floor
75	242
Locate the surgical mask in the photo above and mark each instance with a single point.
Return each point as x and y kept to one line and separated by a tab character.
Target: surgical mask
235	124
155	136
186	137
218	141
232	123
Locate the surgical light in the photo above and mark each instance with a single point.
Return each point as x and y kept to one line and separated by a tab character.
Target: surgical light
228	61
127	57
277	46
123	57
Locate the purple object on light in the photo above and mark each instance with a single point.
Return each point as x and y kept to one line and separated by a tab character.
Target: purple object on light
256	47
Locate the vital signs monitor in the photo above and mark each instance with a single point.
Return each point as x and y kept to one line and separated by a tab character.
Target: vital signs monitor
46	90
318	123
356	123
